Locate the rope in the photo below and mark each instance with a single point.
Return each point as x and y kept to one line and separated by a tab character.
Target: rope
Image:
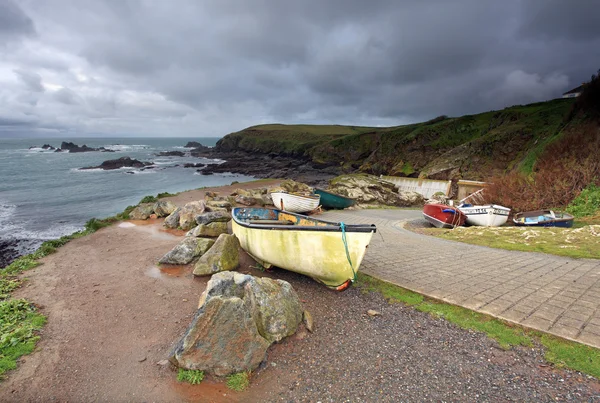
343	227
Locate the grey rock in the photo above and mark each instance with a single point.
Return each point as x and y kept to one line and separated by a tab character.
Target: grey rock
214	229
142	212
187	250
163	208
172	221
238	317
187	215
222	256
213	216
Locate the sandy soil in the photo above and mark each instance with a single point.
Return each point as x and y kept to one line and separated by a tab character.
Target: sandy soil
113	315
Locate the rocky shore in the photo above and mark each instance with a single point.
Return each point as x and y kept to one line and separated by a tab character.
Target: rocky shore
269	166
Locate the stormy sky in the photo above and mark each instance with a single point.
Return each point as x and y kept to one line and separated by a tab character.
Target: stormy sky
207	68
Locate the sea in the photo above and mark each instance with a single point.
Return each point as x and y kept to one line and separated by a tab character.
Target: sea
44	194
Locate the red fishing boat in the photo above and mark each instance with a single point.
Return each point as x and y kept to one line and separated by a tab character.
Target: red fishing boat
443	216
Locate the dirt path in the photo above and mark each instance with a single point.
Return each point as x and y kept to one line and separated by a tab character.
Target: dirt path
113	315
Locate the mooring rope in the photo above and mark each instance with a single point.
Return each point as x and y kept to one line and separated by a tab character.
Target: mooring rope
343	227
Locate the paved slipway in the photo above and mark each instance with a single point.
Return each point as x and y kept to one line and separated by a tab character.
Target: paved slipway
550	293
113	315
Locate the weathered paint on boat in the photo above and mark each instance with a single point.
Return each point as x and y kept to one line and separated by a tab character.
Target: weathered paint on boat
333	201
302	244
489	215
543	218
295	203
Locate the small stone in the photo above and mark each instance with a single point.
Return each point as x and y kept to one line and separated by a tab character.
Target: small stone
142	359
163	362
372	312
308	321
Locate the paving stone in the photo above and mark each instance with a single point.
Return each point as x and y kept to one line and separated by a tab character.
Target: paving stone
528	288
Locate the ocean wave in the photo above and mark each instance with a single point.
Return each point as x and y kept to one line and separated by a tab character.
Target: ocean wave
86	170
126	147
6	210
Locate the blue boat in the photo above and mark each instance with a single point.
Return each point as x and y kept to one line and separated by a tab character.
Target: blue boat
543	218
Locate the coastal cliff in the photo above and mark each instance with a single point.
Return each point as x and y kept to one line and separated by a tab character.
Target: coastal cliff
476	147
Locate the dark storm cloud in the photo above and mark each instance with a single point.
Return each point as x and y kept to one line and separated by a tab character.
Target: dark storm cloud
14	23
222	65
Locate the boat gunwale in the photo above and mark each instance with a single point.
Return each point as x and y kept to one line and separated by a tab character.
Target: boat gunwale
307	196
331	227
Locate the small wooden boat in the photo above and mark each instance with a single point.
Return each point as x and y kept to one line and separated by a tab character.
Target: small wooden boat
333	201
489	215
543	218
443	216
329	252
295	203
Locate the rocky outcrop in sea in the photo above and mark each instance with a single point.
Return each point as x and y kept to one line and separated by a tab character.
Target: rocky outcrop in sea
123	162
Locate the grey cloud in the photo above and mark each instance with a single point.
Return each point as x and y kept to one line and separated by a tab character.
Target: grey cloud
148	66
32	80
14	23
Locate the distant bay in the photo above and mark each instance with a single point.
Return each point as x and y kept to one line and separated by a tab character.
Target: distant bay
44	195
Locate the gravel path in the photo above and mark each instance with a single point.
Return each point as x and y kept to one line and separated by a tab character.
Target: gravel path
404	355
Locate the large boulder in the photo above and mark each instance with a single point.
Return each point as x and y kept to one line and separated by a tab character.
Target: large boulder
410	199
219	204
213	216
213	229
187	250
187	215
142	212
366	189
223	256
163	208
172	221
238	317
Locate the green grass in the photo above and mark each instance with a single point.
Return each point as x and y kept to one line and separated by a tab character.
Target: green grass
568	354
19	323
191	376
578	242
560	352
239	381
587	203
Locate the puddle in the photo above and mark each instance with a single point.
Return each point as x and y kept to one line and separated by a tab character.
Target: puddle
126	225
165	271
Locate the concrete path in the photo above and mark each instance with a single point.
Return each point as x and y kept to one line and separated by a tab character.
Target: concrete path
544	292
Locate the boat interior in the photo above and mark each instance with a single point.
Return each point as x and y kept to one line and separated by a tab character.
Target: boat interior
263	216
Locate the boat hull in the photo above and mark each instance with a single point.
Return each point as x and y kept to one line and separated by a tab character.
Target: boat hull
295	203
443	216
490	215
332	201
317	251
543	218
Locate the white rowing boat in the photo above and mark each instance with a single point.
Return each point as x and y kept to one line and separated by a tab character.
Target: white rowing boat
295	203
489	215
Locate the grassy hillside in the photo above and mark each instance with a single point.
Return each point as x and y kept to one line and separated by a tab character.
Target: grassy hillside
472	146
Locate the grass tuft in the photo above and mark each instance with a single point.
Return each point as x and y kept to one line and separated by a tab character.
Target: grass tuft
191	376
239	381
18	331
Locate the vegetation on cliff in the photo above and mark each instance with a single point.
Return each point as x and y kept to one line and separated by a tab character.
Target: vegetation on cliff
540	155
473	146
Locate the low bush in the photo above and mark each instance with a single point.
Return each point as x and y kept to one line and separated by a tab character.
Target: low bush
587	203
564	169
